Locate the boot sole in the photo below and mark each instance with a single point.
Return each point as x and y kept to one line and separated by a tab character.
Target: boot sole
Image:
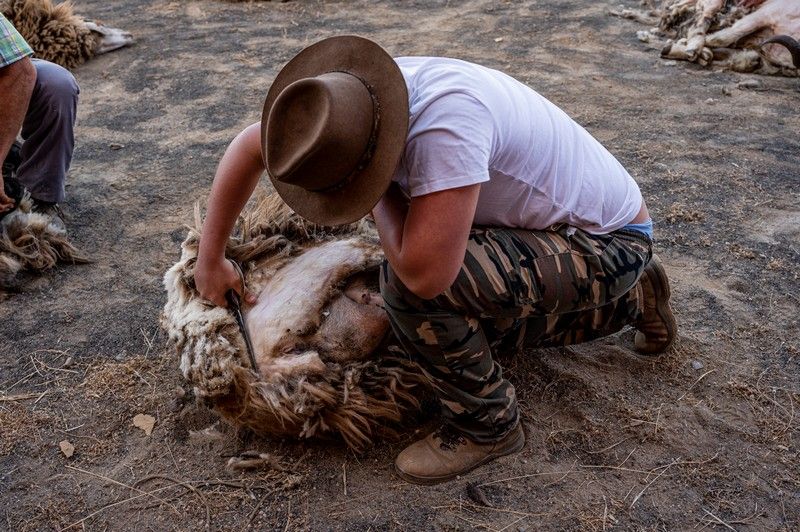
427	481
664	310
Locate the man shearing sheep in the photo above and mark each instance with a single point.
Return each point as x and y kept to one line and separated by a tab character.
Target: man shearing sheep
39	99
503	222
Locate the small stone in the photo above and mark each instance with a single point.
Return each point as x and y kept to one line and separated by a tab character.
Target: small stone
670	63
727	91
696	364
67	448
643	36
498	39
144	422
749	84
710	101
116	146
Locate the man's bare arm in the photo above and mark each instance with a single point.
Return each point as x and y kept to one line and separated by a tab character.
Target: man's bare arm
425	243
236	178
16	86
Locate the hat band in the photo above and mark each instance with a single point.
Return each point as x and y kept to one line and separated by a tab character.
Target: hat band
372	143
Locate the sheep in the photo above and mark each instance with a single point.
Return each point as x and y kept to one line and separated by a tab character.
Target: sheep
323	365
741	35
734	32
57	35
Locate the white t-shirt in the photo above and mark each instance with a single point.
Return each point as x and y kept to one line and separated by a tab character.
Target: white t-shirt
470	124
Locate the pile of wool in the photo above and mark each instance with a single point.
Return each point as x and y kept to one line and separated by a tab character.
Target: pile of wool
31	242
325	367
57	35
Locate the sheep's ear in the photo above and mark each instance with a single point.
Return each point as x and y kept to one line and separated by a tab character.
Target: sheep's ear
109	38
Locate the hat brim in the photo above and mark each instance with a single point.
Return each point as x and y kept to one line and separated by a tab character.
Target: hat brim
376	68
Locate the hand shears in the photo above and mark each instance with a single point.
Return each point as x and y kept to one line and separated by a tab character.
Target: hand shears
234	302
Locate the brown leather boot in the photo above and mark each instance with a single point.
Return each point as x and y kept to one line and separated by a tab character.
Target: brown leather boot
656	330
445	454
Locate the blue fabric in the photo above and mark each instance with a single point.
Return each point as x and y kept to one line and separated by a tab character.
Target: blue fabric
646	228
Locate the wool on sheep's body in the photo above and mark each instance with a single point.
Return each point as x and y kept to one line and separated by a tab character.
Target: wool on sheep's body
322	368
54	32
57	35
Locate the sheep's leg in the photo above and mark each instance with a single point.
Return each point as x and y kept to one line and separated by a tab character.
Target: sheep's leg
679	50
696	37
741	28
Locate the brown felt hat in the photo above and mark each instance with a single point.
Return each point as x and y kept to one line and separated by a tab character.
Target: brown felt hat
334	127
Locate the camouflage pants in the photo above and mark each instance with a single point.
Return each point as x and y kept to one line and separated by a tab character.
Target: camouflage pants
516	287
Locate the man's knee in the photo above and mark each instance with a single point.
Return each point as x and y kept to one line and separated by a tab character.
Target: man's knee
55	85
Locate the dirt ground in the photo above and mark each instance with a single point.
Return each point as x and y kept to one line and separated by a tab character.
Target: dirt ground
706	437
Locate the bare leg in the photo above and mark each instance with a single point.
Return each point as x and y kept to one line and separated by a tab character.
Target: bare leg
16	85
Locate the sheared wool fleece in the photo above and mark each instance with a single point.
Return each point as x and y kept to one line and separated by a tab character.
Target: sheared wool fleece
54	32
306	384
29	241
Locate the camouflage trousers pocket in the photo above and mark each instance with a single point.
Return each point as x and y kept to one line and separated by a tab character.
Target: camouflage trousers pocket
496	280
569	281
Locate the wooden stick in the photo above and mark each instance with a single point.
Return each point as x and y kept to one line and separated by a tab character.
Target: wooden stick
18	397
118	483
610	446
694	383
344	477
635	499
524	476
720	521
111	505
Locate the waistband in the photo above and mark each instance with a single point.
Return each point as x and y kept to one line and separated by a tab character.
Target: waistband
644	227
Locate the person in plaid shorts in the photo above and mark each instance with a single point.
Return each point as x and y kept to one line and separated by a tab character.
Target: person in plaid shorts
39	103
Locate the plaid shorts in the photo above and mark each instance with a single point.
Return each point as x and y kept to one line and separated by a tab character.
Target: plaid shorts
12	46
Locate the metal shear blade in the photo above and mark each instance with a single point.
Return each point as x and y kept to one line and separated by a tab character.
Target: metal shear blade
236	307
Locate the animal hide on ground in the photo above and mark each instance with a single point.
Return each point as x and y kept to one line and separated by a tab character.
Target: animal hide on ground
57	35
317	330
742	35
30	242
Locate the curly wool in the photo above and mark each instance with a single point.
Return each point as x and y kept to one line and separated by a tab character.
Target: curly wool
354	399
54	32
29	241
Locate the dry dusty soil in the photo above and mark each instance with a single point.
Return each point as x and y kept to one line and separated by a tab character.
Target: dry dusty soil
704	438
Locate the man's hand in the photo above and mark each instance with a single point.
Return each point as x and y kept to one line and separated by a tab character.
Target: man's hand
213	280
6	203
